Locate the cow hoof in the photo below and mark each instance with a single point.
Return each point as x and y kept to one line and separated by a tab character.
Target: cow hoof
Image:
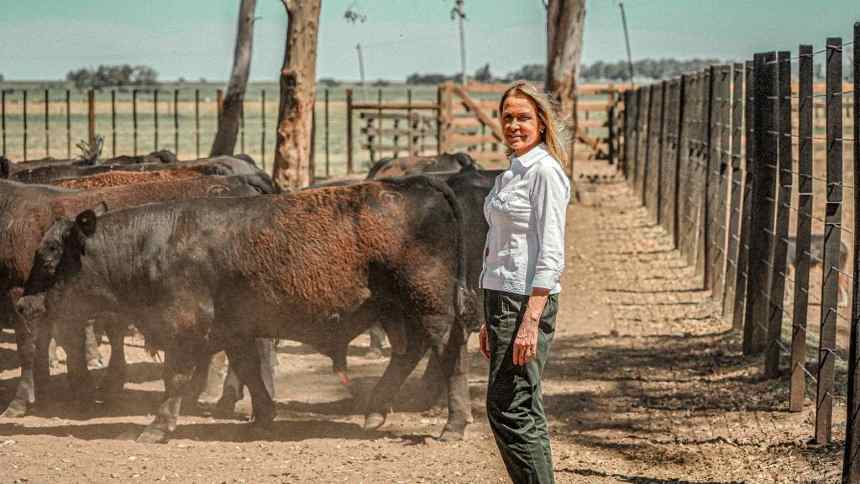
15	409
373	421
225	408
153	435
450	435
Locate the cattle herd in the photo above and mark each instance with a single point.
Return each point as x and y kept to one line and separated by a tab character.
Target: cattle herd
209	255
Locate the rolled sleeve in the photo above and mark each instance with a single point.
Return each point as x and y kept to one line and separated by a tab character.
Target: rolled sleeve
549	196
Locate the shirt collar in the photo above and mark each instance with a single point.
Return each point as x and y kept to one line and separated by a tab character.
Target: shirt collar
531	156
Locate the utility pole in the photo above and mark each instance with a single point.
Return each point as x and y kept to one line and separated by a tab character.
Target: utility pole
459	13
361	68
627	41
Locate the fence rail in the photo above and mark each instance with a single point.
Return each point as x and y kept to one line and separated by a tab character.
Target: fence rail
744	166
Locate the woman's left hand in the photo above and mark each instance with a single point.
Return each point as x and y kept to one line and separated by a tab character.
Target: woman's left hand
525	344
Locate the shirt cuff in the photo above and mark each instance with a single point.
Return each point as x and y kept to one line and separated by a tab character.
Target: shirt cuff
546	279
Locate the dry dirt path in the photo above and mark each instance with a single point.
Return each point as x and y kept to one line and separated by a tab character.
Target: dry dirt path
645	384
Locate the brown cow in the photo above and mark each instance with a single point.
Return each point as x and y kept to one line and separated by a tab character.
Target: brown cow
270	266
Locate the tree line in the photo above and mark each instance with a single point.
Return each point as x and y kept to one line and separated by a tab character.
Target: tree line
655	69
113	76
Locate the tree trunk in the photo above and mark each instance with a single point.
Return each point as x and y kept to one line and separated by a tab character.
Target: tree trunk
565	20
298	90
228	126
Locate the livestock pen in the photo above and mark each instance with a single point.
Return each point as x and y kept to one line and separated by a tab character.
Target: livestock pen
354	125
742	163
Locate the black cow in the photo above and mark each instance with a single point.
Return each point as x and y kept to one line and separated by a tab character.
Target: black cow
271	266
417	165
28	211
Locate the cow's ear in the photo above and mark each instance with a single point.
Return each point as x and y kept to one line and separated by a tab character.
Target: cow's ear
100	209
86	222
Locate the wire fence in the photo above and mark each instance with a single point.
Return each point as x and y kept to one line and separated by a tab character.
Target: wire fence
746	166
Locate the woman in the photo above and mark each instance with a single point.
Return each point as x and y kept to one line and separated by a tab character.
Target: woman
523	261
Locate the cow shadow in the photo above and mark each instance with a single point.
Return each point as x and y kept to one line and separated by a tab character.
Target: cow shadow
221	431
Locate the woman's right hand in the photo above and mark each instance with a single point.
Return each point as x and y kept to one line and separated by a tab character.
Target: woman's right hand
484	340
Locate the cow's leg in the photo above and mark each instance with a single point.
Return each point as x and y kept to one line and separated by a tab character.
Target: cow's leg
45	350
244	357
178	372
91	346
398	369
232	390
191	403
454	359
433	381
73	340
117	371
25	392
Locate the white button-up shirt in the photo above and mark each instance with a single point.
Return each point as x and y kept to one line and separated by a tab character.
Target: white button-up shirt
526	211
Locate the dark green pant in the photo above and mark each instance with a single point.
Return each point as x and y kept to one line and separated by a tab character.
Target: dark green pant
514	402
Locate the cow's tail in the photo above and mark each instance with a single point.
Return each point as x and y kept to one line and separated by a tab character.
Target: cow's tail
463	300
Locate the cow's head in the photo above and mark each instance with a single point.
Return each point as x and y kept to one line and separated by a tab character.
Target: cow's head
61	248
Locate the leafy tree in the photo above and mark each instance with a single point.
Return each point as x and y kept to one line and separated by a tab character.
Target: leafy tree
483	74
529	72
113	76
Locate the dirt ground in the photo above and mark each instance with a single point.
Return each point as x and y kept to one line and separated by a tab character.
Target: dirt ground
645	384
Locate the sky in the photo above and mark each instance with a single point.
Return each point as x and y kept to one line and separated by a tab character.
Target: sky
44	39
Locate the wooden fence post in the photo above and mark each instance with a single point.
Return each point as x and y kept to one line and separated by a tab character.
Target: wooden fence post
155	119
47	125
197	123
176	123
804	230
646	162
761	241
686	219
113	121
832	237
68	124
219	107
669	170
680	148
658	192
3	118
636	162
735	192
134	118
263	129
349	162
721	165
851	462
703	236
327	137
712	179
24	122
91	116
782	138
742	286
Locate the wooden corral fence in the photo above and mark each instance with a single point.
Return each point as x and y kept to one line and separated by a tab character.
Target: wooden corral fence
49	122
746	165
466	118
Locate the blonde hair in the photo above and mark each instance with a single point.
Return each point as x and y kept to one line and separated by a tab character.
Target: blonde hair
546	112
